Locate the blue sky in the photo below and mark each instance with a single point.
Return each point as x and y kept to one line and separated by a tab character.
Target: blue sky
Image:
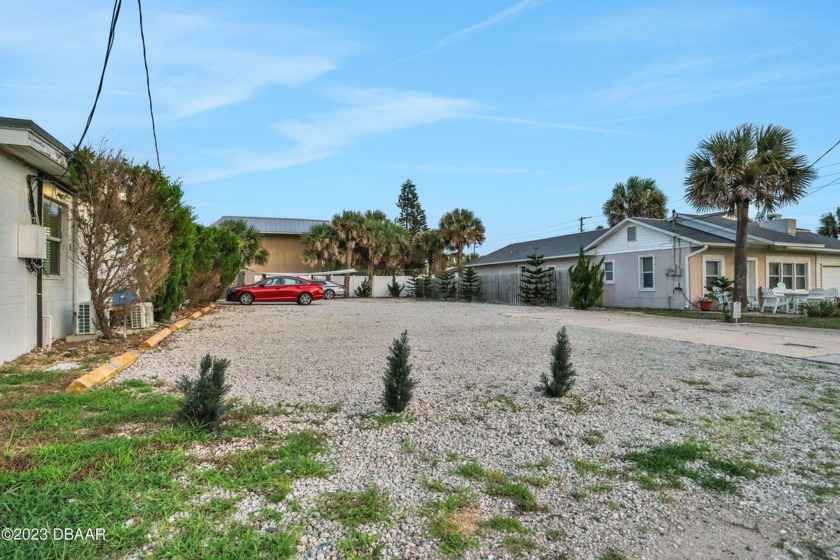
525	112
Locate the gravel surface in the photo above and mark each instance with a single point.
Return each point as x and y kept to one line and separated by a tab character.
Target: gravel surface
478	368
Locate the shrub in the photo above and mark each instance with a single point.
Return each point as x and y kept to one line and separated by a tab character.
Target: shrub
397	379
820	308
410	287
365	290
394	288
587	282
203	405
562	376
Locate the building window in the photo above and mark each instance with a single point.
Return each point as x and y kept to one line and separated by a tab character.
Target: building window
609	272
631	233
712	269
646	273
793	275
53	217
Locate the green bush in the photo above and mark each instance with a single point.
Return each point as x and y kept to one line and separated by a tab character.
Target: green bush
535	284
821	308
203	405
365	290
447	285
394	288
562	376
470	285
587	282
397	379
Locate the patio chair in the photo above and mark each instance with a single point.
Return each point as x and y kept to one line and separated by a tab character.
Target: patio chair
815	294
782	286
773	299
722	298
831	292
752	303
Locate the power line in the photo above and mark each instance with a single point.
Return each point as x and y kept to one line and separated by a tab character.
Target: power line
115	14
148	87
825	154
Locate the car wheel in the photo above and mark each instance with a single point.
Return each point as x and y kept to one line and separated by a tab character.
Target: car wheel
305	298
329	294
246	298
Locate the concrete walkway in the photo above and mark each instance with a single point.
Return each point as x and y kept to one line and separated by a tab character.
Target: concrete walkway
821	345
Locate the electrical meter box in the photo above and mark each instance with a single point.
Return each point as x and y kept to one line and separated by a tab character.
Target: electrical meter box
32	241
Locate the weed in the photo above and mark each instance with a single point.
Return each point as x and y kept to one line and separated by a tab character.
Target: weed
521	495
695	382
555	534
543	463
533	480
386	420
352	509
507	401
408	446
451	456
472	470
434	485
452	520
582	466
612	554
599	487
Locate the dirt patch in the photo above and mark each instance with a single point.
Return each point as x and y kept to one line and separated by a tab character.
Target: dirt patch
18	463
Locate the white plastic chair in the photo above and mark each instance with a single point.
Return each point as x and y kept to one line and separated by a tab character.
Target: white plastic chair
773	299
815	294
831	292
782	286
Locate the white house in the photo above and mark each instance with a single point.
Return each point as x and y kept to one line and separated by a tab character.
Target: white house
40	283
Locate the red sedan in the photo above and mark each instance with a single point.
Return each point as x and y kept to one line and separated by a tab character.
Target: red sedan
277	288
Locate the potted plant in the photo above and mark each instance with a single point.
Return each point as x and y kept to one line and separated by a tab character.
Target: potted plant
706	301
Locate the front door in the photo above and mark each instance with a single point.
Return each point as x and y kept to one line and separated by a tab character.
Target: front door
752	279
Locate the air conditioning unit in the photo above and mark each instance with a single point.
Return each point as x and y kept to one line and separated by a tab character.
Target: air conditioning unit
150	313
86	318
138	317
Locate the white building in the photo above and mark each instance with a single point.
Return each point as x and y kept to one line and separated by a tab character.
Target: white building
40	282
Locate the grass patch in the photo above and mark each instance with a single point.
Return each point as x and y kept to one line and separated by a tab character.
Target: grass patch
583	466
380	421
352	509
667	465
543	463
695	382
360	546
519	545
593	438
472	470
505	524
612	554
434	485
768	319
502	486
453	520
507	402
533	480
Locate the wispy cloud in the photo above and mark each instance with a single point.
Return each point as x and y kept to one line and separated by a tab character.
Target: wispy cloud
492	21
533	123
372	112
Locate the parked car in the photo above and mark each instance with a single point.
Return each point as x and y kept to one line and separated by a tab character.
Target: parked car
277	288
331	289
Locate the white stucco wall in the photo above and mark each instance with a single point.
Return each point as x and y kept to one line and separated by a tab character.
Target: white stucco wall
17	284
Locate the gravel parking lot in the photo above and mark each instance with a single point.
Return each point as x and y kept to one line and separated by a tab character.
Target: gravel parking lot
477	403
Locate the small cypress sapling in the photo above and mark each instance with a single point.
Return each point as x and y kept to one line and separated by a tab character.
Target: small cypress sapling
397	379
587	282
447	285
562	375
410	287
203	404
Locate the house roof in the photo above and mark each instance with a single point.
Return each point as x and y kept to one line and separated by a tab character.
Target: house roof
550	248
702	229
288	226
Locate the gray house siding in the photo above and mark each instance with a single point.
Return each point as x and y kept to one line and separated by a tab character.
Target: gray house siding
626	290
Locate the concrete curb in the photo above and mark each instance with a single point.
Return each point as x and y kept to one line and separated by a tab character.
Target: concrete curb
155	339
180	324
106	371
103	373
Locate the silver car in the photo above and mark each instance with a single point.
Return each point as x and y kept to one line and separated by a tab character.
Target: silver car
331	289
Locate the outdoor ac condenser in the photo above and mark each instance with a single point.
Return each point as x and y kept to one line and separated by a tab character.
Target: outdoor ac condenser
86	318
138	317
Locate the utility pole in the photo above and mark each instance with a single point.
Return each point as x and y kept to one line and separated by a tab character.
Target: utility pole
581	222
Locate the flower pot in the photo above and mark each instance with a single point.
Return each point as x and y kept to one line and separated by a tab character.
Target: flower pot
705	305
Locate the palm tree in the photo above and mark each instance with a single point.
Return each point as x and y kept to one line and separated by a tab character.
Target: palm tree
748	165
320	245
431	247
250	242
638	198
460	228
830	224
381	239
349	227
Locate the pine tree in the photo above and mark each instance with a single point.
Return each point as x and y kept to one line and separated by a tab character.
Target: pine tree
394	288
535	283
397	379
364	290
587	282
562	376
470	285
447	285
410	287
412	217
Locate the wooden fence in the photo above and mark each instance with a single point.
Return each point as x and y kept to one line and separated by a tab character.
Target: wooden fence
504	288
